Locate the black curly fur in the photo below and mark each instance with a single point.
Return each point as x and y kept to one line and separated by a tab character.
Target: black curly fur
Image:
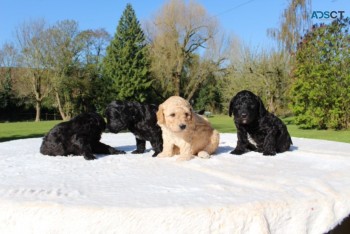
78	136
252	120
140	119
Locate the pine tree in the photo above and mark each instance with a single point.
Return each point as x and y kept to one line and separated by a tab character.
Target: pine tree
126	65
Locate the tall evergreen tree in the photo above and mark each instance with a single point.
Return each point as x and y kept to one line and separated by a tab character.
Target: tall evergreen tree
126	65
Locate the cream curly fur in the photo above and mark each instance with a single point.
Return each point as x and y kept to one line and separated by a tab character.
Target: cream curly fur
184	132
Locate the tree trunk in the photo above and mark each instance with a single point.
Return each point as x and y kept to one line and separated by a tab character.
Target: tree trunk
177	78
38	96
60	109
38	110
200	79
272	105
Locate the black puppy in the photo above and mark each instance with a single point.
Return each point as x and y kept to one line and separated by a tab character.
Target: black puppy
253	121
140	119
78	136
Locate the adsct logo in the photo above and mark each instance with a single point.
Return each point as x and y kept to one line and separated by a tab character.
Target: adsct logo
327	14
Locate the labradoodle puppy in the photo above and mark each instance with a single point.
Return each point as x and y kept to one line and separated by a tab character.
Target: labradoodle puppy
257	129
185	132
78	136
140	119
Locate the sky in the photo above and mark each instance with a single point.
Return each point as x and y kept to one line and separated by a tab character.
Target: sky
246	19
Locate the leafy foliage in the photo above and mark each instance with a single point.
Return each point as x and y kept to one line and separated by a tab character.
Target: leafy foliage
6	93
321	90
11	105
182	34
209	96
264	73
126	65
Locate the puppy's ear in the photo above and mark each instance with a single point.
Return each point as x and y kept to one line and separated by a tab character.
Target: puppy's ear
160	115
262	109
230	108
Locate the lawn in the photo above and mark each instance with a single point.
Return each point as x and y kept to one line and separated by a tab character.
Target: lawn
13	131
225	124
18	130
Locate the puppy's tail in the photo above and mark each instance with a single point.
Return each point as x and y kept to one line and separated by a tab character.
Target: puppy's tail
213	143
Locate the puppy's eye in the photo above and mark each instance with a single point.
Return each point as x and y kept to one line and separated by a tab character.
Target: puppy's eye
187	114
172	114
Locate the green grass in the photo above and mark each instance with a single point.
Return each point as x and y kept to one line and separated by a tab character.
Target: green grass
19	130
341	136
223	123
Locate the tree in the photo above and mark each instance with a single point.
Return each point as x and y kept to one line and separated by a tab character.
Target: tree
126	65
8	55
265	73
321	90
63	59
75	64
32	38
209	96
12	104
295	20
94	44
179	34
8	61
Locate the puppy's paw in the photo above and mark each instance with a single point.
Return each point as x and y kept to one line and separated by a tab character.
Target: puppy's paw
185	157
251	147
260	150
163	155
138	151
156	152
237	151
203	154
89	157
268	150
269	153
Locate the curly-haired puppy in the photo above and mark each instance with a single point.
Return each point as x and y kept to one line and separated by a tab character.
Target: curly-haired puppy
185	132
78	136
267	132
140	119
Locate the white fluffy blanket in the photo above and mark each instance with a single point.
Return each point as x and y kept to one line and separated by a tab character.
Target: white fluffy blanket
306	190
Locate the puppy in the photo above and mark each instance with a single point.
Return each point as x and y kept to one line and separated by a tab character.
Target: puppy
185	132
268	133
140	119
78	136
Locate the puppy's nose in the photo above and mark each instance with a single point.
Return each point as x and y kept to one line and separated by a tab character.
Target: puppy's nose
182	126
243	115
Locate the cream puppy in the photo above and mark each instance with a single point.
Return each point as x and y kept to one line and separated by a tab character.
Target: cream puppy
184	132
